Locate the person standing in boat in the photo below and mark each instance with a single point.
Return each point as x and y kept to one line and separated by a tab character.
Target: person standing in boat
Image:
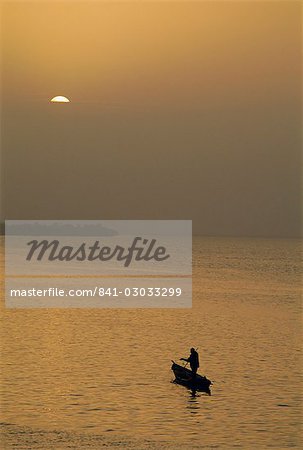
193	360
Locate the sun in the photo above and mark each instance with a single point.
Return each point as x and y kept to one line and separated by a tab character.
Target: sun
60	99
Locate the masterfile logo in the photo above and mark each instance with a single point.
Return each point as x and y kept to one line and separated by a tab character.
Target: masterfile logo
140	250
98	264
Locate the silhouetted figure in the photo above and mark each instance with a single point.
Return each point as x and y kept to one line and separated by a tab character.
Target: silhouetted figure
193	360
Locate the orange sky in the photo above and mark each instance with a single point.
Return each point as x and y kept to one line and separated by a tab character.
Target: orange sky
212	86
155	53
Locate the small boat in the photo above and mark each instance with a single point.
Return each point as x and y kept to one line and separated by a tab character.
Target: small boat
184	377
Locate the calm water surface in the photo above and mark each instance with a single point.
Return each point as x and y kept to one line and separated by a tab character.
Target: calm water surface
97	377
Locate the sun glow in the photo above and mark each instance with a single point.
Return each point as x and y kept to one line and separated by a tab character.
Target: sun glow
60	99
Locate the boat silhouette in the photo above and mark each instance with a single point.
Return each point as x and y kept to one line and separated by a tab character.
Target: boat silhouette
184	377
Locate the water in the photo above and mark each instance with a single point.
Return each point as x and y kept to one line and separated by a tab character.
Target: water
94	378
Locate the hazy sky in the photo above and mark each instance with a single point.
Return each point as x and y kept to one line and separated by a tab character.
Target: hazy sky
178	111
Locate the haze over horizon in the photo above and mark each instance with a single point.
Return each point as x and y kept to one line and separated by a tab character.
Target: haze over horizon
178	111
